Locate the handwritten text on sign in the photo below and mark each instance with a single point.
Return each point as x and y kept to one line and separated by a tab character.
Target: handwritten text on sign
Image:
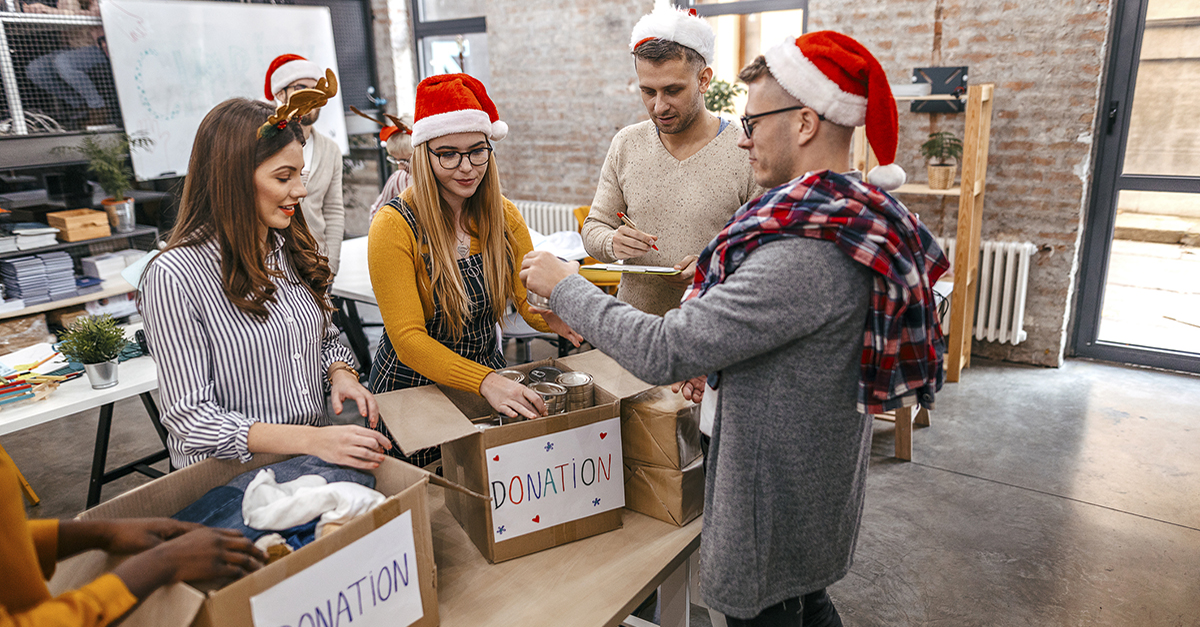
549	480
372	581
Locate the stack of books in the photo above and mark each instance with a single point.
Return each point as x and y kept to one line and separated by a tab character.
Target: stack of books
87	285
106	266
60	275
33	235
25	278
8	241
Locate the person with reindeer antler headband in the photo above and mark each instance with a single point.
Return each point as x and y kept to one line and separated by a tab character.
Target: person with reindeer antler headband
324	210
397	137
236	307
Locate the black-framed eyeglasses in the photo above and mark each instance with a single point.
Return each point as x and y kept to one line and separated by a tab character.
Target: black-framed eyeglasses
451	159
748	128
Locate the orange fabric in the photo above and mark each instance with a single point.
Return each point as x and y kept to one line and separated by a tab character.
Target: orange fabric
399	277
27	555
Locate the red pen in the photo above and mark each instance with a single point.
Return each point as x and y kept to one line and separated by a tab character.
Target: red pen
629	223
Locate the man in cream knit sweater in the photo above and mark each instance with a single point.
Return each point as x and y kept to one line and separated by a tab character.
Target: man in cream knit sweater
679	176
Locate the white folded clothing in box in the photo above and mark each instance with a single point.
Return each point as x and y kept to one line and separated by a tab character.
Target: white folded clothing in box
104	266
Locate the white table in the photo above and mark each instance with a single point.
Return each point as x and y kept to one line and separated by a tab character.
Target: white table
137	377
352	285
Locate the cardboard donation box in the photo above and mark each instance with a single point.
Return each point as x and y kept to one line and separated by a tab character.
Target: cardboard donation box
377	569
550	481
79	224
660	440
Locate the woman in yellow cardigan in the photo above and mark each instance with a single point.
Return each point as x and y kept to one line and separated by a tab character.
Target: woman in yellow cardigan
164	551
445	256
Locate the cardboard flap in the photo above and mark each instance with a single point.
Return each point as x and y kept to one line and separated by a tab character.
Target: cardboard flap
422	417
606	372
450	485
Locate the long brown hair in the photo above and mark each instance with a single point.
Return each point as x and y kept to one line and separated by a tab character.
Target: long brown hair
219	204
483	217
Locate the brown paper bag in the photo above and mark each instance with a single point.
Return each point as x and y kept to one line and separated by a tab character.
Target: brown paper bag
660	428
670	495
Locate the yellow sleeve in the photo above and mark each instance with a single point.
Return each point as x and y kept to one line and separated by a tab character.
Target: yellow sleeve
395	263
28	552
522	245
94	605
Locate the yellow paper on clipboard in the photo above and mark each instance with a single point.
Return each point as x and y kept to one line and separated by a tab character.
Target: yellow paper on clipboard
632	269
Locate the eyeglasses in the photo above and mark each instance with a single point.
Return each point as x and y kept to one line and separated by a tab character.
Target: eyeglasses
394	161
451	159
748	128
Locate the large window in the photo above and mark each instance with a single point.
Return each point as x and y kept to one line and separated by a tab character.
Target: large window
451	36
745	28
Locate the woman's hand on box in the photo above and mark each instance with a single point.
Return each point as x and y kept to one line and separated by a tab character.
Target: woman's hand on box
693	389
348	445
343	387
198	555
510	398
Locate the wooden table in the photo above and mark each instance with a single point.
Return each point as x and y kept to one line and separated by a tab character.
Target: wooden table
594	582
137	377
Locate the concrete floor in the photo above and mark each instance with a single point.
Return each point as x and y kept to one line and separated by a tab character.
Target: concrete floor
1038	497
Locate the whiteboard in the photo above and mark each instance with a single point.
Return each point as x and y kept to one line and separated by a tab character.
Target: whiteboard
174	60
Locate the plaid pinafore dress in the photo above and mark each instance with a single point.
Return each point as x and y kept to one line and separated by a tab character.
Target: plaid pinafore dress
478	342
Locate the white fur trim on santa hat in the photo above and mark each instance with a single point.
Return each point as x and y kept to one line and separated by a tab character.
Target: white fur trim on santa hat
667	22
293	71
887	177
462	121
808	84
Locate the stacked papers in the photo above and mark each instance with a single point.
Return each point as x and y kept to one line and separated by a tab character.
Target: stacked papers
60	275
104	266
25	277
31	235
87	285
8	243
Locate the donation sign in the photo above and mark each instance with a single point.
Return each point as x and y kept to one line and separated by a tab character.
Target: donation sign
372	581
553	479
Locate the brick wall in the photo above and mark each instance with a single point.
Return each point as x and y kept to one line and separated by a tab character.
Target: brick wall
563	79
1046	60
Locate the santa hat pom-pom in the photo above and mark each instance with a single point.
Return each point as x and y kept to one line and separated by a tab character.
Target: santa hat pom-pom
499	130
887	177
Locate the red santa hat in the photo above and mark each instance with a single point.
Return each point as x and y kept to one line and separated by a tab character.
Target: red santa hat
386	132
677	25
287	69
454	103
840	79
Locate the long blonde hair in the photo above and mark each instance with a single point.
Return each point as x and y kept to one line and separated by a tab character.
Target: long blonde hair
482	216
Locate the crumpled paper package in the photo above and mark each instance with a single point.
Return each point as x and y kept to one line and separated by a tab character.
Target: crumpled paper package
660	428
18	333
670	495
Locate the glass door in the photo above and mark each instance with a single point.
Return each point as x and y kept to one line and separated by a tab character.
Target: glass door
1139	296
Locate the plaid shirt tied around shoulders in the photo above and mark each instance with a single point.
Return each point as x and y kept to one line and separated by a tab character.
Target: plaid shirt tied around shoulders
903	343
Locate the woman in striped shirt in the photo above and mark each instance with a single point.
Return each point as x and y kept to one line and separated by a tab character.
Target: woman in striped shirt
236	311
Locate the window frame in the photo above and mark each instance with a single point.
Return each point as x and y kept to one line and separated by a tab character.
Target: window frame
439	28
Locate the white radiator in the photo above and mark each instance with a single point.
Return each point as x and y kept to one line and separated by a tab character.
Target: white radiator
1003	285
547	217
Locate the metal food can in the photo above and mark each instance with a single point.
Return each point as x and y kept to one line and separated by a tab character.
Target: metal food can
515	375
546	373
553	395
580	389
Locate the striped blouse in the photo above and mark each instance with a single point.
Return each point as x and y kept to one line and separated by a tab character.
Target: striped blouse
219	369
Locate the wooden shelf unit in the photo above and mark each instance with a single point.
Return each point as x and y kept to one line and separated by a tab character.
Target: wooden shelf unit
970	192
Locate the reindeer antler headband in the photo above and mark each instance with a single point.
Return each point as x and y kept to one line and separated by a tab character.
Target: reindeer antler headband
386	130
299	104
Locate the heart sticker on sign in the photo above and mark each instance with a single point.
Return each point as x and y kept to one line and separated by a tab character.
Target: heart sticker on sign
537	518
603	435
496	458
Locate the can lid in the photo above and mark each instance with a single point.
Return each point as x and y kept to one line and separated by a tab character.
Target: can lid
515	375
574	379
545	387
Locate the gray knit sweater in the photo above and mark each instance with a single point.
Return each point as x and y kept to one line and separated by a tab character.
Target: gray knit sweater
788	461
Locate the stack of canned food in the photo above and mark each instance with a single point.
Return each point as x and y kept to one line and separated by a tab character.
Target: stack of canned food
560	391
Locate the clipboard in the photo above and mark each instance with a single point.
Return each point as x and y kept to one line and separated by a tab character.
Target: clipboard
632	269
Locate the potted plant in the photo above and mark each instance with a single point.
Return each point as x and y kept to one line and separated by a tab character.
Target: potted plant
720	95
95	342
107	162
942	151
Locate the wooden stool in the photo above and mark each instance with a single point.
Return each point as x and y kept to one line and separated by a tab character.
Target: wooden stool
904	420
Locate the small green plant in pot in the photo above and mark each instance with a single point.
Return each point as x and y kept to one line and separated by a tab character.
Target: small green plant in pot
95	342
942	151
720	95
106	162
